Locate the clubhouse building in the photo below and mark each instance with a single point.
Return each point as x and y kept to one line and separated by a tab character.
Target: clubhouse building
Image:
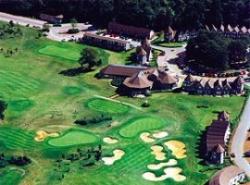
213	86
107	42
139	80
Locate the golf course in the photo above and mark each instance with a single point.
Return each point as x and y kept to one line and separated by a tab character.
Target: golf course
43	104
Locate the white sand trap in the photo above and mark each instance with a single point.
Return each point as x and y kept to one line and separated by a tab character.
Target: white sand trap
110	140
42	135
171	162
146	137
178	148
160	135
173	173
118	154
158	152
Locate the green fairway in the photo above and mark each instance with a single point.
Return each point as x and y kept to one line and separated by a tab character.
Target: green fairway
14	84
73	138
137	125
56	51
107	106
15	139
11	177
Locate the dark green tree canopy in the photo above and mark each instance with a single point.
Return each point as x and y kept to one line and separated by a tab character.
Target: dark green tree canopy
90	58
213	51
156	14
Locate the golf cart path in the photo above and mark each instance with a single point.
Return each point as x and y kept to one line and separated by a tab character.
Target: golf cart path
239	138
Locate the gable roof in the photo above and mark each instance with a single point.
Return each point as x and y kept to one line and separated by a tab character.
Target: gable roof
121	70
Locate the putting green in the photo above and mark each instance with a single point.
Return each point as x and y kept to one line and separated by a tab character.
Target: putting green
138	125
73	138
60	52
72	90
11	177
107	106
20	105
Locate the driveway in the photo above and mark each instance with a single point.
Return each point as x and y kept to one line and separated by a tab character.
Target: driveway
170	54
239	138
21	20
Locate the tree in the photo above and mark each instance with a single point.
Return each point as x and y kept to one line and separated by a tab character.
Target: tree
90	57
237	51
73	23
208	50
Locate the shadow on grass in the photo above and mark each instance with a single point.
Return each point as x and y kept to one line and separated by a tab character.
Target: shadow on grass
75	71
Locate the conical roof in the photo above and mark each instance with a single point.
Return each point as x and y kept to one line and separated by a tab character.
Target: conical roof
138	81
166	78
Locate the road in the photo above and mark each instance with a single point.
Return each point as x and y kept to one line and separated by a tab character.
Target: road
21	20
239	138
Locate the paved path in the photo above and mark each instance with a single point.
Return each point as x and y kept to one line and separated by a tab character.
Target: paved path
170	54
21	20
239	139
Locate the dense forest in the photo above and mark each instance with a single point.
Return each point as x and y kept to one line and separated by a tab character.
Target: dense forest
157	14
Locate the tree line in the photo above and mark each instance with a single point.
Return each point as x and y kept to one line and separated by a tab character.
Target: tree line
156	14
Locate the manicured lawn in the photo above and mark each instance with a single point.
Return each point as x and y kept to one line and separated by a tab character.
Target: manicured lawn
136	126
56	51
107	106
16	139
11	177
73	138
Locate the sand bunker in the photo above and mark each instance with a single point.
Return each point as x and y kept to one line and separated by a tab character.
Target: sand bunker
118	154
146	137
42	135
174	173
171	162
110	140
160	135
158	152
178	148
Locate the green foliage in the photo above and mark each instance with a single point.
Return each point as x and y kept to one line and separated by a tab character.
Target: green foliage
214	51
181	14
3	106
10	31
90	57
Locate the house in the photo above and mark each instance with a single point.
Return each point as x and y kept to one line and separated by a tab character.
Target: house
216	139
144	53
213	86
106	42
231	175
130	31
51	18
138	84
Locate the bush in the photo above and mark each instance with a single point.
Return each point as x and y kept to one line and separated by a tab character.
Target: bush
73	31
93	120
